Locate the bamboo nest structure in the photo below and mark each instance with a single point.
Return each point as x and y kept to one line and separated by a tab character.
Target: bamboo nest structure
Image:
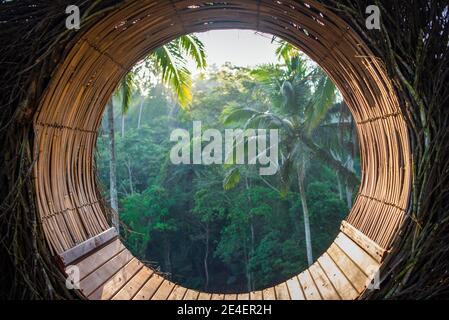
57	82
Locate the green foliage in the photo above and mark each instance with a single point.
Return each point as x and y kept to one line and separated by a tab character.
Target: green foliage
145	214
232	179
322	101
276	259
171	62
246	229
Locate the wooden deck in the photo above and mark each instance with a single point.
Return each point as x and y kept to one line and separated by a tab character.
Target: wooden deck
108	271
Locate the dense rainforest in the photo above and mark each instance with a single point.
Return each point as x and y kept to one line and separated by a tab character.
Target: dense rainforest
226	227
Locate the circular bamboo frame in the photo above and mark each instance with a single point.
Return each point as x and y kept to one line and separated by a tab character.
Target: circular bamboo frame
71	110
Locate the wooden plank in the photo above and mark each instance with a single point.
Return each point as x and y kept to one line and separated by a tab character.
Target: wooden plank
256	295
113	285
204	296
191	295
353	273
363	241
243	296
98	258
217	296
338	279
106	271
269	294
310	290
70	256
295	289
164	291
360	257
282	291
177	293
134	284
327	290
150	287
230	297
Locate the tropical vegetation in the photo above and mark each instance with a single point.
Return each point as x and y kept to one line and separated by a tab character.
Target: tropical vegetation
222	227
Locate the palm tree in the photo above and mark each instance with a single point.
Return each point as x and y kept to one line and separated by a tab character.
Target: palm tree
126	90
170	60
297	111
337	132
112	166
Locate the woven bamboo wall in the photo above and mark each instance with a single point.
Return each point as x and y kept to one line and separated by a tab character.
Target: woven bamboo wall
70	113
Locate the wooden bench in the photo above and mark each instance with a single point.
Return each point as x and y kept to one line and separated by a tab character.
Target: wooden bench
107	270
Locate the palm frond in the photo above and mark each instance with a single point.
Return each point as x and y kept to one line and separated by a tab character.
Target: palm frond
193	47
234	114
323	99
232	179
174	73
171	61
286	51
127	88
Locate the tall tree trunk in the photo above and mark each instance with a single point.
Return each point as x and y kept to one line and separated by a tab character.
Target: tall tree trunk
173	113
246	255
340	187
123	125
349	196
206	259
305	209
113	167
249	275
167	256
130	175
139	120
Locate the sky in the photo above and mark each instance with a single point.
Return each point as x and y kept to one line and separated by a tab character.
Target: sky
243	48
